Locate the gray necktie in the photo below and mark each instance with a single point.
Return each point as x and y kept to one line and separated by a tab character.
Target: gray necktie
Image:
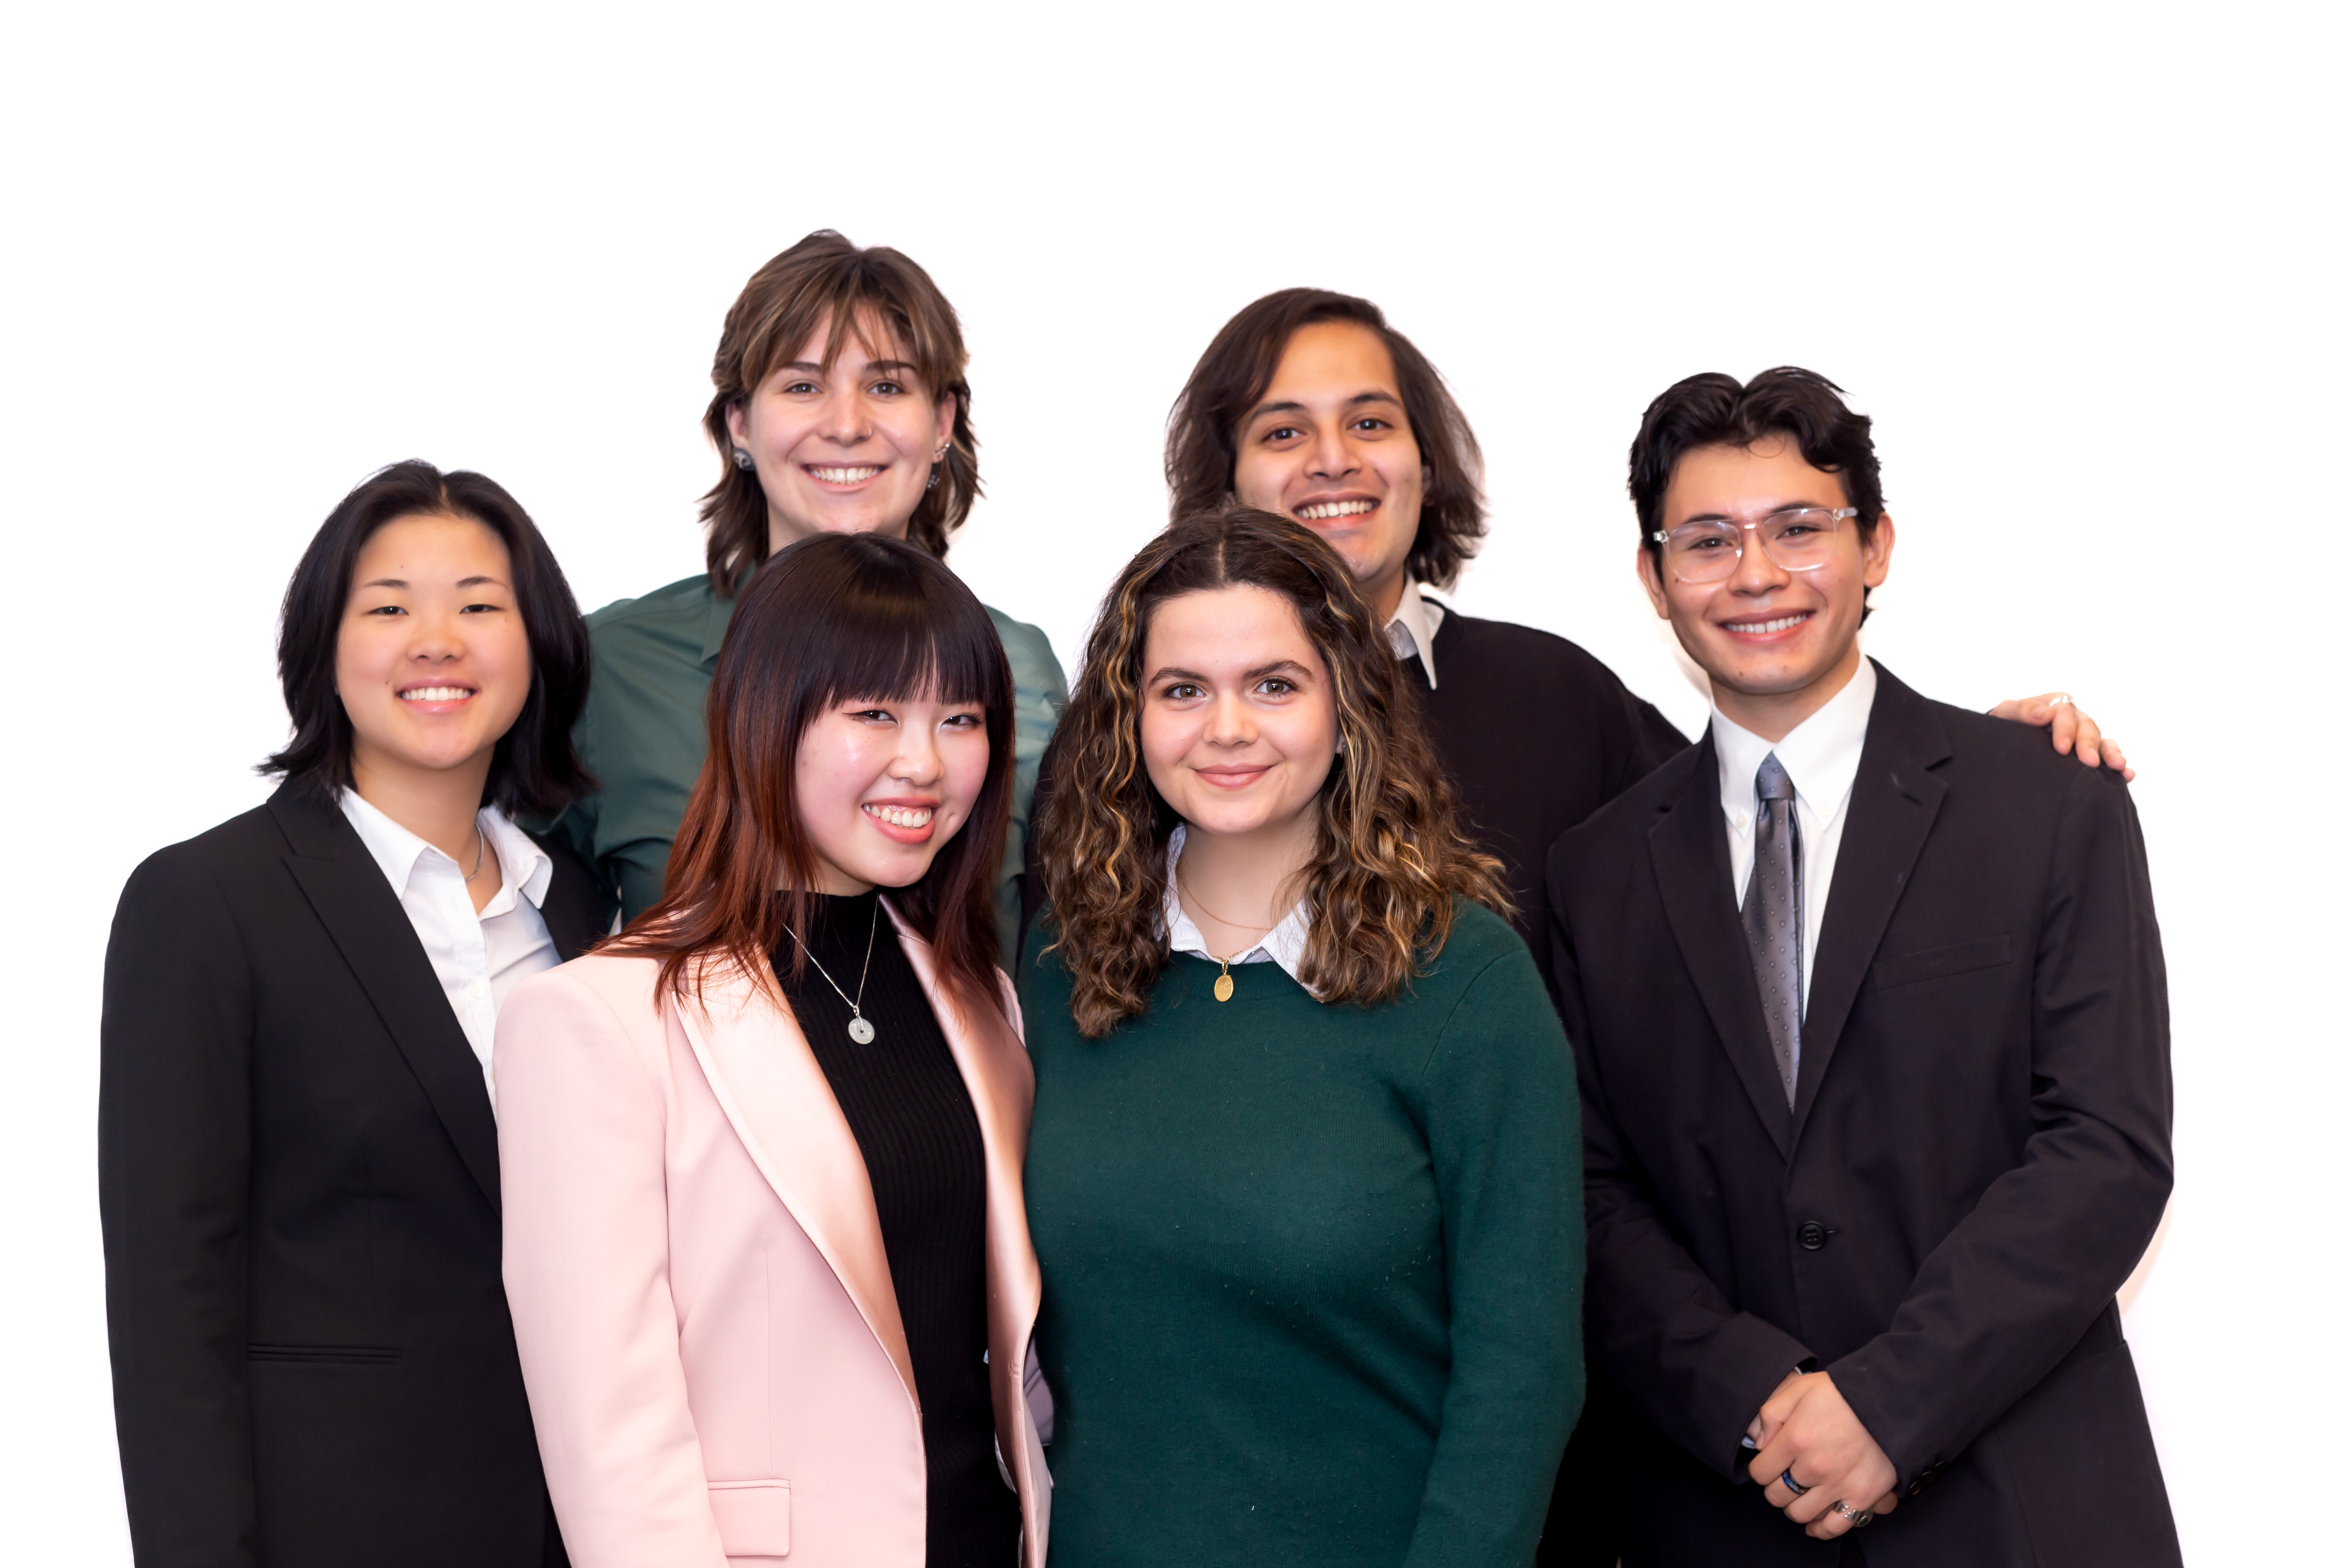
1774	915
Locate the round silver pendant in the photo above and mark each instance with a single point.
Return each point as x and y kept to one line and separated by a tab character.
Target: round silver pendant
861	1031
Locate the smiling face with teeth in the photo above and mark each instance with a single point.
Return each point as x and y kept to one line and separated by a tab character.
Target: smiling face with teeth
881	785
846	449
432	661
1329	444
1775	644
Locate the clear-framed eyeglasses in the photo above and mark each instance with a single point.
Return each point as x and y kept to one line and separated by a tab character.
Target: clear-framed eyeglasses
1796	539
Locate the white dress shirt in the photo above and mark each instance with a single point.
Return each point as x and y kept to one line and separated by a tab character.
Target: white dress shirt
1413	627
479	958
1821	756
1286	944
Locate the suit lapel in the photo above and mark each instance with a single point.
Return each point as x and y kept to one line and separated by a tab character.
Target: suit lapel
347	890
767	1082
1895	799
1693	870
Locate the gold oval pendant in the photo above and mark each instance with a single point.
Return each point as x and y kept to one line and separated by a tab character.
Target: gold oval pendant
1224	989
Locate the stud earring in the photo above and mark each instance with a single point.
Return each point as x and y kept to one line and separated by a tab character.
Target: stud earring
742	459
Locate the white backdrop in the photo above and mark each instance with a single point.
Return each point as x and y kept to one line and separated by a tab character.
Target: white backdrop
2082	264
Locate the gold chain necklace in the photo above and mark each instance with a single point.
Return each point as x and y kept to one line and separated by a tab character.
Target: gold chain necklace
1222	990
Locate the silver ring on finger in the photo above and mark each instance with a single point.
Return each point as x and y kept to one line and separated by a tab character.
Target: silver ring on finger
1855	1517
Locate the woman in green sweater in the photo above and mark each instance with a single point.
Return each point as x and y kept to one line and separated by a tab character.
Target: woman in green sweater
838	406
1304	1172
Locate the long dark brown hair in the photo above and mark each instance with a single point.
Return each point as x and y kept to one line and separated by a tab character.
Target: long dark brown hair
827	284
1389	858
1238	366
836	617
535	768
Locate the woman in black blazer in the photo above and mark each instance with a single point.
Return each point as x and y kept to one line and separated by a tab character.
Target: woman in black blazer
297	1155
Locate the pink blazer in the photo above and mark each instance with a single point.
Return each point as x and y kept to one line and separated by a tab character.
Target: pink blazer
712	1348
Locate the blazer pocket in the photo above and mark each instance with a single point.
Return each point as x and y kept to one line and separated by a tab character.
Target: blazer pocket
325	1355
755	1518
1936	962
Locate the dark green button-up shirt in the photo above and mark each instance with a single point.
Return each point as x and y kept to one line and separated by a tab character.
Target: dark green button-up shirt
642	735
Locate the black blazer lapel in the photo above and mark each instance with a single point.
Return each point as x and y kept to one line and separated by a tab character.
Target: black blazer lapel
577	913
1693	870
1895	799
348	893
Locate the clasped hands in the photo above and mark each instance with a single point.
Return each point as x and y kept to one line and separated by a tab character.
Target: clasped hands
1806	1430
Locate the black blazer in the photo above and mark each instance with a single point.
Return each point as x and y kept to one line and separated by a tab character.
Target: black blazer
1979	1153
298	1177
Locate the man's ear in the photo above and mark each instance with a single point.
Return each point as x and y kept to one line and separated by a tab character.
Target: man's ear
1878	550
1645	567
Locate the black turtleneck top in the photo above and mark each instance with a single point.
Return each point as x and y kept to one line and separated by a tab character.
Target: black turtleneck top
906	1103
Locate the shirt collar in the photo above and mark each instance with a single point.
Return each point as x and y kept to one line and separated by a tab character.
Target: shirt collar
1285	945
1413	627
523	865
1821	755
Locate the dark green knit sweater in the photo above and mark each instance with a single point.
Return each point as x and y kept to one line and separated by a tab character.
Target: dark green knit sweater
1312	1274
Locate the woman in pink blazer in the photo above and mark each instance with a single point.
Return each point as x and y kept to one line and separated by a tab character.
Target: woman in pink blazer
765	1248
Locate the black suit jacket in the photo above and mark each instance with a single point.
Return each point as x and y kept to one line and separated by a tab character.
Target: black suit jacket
298	1177
1979	1153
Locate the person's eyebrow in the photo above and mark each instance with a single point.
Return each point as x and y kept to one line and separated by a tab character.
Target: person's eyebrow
385	582
1170	672
1775	509
478	582
1287	667
1291	406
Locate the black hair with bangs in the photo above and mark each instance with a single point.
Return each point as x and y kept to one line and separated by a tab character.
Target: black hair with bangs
838	618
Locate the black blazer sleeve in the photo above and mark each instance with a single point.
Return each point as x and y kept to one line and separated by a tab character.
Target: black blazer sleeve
2020	1280
174	1136
1713	1364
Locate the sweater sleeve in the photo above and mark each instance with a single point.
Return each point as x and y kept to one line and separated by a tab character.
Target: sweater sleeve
584	1176
175	1159
1499	1103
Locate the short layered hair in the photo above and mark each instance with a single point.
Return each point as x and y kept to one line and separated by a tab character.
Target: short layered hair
535	770
1390	857
1204	427
1714	410
826	285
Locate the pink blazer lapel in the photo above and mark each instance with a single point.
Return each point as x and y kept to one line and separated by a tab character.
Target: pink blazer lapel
1002	1085
769	1083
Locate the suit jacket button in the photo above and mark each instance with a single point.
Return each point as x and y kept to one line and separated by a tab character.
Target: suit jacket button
1813	1235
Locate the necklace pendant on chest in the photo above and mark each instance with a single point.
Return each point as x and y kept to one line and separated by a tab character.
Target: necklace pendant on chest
1224	989
861	1031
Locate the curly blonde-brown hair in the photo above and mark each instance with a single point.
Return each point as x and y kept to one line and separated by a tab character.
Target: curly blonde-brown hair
1389	858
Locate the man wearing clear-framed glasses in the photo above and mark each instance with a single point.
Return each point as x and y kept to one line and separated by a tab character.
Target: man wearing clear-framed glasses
1868	1003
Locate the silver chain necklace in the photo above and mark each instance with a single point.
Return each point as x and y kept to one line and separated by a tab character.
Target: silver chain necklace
859	1030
